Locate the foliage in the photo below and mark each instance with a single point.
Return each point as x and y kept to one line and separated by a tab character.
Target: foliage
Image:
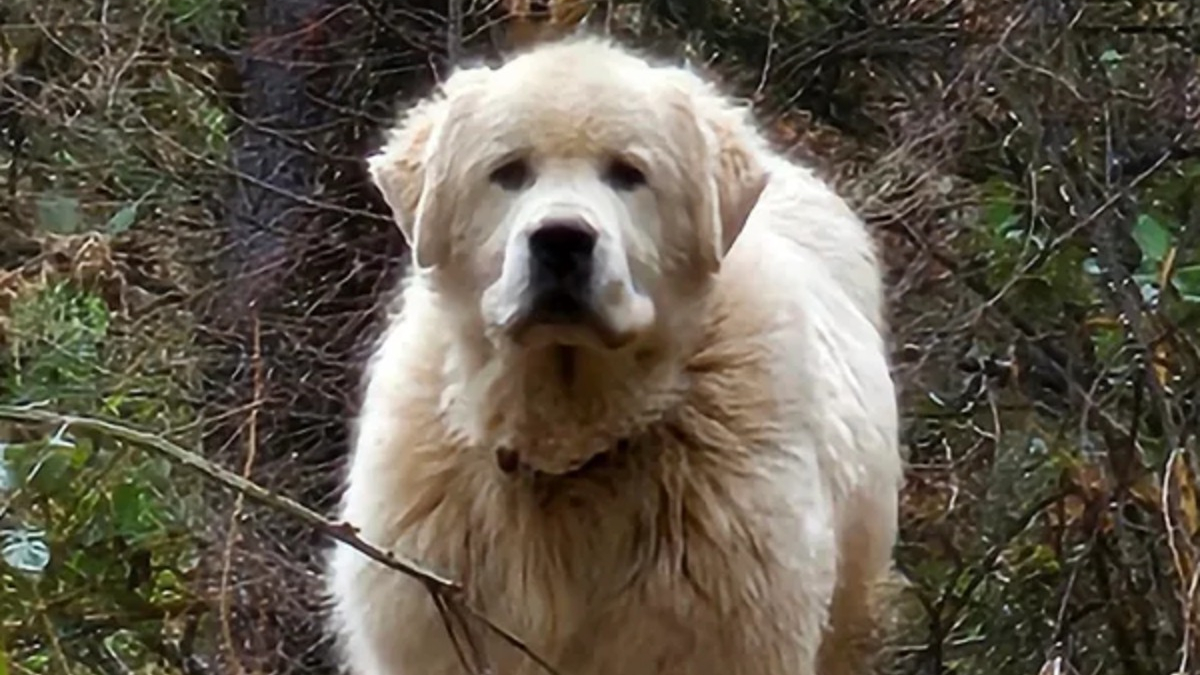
1029	168
96	540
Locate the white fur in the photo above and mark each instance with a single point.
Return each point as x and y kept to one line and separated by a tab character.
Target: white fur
748	524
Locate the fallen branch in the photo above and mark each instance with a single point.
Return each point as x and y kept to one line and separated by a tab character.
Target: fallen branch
447	594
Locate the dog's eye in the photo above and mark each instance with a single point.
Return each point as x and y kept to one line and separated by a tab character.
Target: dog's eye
512	175
624	176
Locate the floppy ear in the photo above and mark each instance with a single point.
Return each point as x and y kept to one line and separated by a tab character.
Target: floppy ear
405	172
735	176
398	171
740	178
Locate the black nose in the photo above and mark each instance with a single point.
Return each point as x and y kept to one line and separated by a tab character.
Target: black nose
563	248
560	262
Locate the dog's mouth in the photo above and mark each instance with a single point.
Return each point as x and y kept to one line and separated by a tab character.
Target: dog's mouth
606	320
565	319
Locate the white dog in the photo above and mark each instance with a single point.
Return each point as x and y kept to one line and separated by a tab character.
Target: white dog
636	400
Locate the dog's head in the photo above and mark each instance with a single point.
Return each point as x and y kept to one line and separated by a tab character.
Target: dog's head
575	195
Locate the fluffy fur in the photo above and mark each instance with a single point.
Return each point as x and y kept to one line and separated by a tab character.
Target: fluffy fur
715	495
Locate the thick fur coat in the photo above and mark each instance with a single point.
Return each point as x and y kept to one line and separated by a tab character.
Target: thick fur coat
714	491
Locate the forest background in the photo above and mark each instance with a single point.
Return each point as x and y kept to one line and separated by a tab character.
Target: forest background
192	263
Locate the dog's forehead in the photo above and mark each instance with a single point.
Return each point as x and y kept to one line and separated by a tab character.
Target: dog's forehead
560	103
572	132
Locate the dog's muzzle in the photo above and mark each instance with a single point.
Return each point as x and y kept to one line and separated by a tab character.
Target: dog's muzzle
564	283
561	272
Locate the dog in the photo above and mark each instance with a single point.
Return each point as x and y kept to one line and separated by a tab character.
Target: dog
636	395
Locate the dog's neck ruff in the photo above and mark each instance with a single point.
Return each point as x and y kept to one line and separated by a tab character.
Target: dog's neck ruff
534	418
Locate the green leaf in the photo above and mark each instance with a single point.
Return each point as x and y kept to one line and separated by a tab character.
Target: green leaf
1152	237
1187	281
134	511
59	214
127	508
52	475
25	550
999	211
122	220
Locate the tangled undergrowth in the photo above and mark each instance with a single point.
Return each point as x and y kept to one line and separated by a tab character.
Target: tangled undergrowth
188	245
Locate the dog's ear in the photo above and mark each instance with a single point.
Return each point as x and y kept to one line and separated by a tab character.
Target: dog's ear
398	171
734	177
740	177
402	171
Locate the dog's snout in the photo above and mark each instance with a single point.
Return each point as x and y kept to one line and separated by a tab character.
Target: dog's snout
563	246
561	268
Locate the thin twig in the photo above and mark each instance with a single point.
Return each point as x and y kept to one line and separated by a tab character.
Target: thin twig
239	501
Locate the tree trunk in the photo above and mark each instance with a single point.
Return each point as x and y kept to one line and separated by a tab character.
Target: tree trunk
308	256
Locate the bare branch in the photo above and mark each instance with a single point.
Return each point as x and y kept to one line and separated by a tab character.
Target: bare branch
446	592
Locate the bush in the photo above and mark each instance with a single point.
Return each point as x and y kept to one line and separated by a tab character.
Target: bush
98	540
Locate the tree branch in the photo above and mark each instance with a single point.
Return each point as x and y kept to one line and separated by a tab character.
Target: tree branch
447	593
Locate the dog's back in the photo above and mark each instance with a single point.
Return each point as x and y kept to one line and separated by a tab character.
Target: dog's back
806	258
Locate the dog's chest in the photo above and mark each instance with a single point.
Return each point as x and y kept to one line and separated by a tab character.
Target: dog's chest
548	552
586	564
